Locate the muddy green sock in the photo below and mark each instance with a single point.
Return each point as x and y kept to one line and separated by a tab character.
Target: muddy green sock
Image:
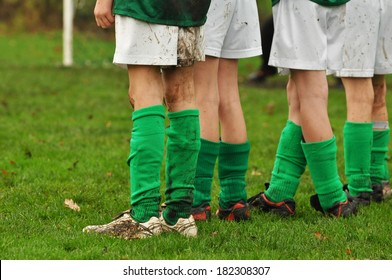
290	164
321	159
205	172
145	160
358	139
378	166
232	167
182	149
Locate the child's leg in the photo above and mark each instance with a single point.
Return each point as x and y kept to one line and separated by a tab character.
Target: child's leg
381	133
358	134
234	148
320	145
207	100
183	143
290	160
147	140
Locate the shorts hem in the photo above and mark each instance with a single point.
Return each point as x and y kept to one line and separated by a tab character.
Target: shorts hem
232	54
123	60
347	73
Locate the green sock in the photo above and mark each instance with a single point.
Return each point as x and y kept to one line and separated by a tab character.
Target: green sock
145	160
378	166
321	158
290	164
386	178
205	171
357	147
232	167
182	149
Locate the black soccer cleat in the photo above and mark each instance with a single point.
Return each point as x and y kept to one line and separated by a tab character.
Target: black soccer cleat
285	208
339	209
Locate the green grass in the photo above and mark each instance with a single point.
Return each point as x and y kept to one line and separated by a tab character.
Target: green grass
64	133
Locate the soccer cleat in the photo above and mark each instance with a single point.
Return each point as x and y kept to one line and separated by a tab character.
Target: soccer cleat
378	193
285	208
386	189
362	198
125	227
339	209
186	227
238	212
202	212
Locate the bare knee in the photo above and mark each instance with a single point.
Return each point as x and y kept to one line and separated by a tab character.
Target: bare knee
179	89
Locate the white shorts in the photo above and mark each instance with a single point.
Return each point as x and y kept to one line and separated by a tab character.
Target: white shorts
363	18
384	45
232	29
307	36
142	43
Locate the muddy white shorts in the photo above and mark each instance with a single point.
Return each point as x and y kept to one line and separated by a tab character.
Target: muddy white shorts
142	43
232	29
384	44
363	18
307	36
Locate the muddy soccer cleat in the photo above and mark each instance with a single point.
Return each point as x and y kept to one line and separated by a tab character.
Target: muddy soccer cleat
339	209
238	212
285	208
378	193
125	227
186	227
202	212
362	198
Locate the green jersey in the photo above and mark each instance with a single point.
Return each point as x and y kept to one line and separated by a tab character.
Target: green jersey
322	2
184	13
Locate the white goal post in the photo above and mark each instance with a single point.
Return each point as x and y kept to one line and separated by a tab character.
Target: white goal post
68	15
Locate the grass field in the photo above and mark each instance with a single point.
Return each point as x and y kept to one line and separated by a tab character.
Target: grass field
64	134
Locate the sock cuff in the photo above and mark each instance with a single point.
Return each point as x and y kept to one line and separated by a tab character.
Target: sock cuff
228	148
297	128
156	110
358	131
358	125
209	147
290	140
313	148
183	113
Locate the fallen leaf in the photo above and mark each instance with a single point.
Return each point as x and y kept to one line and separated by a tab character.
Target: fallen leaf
12	162
109	174
348	251
5	173
108	124
255	172
318	235
71	204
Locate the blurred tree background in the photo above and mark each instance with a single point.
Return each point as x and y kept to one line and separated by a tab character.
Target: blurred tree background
43	15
